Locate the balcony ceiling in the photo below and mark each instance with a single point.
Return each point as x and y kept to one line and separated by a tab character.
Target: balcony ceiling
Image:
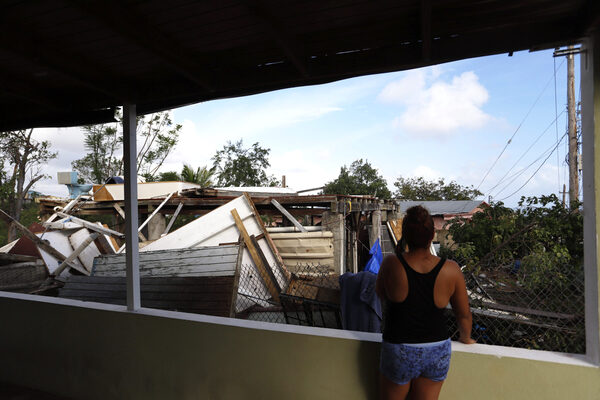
70	62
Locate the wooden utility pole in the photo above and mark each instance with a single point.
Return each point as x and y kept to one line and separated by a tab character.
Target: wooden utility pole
573	163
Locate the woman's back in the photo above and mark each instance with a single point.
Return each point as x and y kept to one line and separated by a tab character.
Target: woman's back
415	312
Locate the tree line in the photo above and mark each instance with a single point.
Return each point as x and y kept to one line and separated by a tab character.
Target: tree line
23	159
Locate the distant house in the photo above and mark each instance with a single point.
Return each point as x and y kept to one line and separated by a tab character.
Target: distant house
444	211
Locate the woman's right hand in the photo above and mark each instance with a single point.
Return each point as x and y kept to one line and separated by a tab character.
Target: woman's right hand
467	340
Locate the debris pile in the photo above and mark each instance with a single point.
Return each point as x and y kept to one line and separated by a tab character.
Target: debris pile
225	261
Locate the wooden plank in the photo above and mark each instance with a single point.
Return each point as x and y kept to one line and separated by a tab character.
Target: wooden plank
75	254
171	262
289	216
265	262
236	282
39	242
179	254
396	229
89	253
122	214
23	275
201	295
173	218
287	275
255	257
92	226
155	211
66	209
193	252
7	258
211	261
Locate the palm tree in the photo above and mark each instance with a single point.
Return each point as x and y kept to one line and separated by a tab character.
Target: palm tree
201	176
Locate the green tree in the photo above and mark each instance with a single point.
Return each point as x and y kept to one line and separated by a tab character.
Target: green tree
168	176
539	229
201	175
359	179
157	136
160	136
23	159
103	160
421	189
235	165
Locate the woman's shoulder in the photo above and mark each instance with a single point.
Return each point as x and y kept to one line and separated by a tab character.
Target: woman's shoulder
451	269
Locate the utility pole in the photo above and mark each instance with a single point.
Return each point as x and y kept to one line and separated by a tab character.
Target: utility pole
573	162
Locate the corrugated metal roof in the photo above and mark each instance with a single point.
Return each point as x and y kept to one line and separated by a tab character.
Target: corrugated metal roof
442	206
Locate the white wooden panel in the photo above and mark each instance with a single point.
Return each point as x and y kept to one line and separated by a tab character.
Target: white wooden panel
60	241
212	229
89	253
147	190
217	227
211	261
304	248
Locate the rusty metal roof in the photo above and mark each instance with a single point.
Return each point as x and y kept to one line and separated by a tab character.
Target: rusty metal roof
70	62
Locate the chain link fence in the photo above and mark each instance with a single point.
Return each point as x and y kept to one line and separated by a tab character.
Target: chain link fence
515	304
311	297
533	302
528	297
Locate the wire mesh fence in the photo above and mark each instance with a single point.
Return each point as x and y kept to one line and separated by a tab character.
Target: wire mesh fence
523	290
535	301
513	304
310	297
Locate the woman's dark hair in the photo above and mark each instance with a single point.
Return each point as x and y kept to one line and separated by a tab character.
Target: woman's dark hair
417	227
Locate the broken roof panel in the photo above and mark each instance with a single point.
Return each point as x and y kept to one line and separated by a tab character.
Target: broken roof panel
202	261
219	227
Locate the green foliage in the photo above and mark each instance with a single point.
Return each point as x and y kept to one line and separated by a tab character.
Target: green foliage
29	215
157	136
22	161
360	179
168	176
201	175
102	142
239	166
547	237
421	189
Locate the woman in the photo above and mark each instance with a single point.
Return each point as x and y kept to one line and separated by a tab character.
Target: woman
415	287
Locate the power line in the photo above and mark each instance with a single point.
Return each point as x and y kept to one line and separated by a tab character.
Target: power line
536	171
526	151
520	172
519	127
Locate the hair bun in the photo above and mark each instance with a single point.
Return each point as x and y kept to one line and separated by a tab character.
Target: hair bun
417	227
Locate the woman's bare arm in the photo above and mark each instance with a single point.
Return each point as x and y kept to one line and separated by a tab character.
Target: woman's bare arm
460	306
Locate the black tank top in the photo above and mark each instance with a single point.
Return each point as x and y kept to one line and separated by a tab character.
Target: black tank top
416	319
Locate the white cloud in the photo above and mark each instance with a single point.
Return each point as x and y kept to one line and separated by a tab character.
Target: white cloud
304	169
432	107
426	172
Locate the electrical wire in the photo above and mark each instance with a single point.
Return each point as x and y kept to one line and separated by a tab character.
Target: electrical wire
522	171
526	151
519	126
536	171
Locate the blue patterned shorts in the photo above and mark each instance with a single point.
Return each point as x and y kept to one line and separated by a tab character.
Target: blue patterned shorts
402	362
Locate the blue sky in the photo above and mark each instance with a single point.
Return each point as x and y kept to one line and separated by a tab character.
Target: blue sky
450	121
